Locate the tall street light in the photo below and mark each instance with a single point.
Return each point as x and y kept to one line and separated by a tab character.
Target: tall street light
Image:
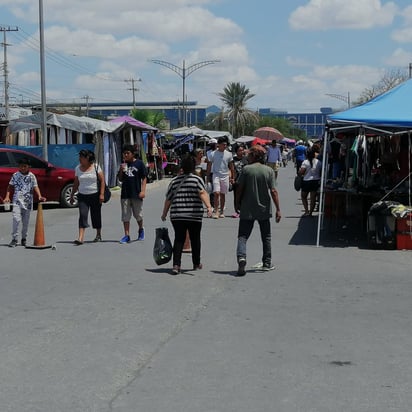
345	99
43	83
184	72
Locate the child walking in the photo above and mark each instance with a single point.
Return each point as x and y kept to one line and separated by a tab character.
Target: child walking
22	184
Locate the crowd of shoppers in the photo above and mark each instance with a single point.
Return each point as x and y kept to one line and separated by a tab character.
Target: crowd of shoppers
204	180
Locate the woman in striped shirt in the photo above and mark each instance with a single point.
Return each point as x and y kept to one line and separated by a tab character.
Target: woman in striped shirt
185	197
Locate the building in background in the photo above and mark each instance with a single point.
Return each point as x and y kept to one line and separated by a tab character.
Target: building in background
312	123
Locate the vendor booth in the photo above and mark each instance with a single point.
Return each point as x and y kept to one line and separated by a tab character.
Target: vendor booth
368	172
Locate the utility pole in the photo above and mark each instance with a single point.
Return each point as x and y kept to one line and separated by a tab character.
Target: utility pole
5	29
87	98
184	72
133	89
43	84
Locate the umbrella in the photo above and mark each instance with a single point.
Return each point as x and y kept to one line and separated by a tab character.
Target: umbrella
268	133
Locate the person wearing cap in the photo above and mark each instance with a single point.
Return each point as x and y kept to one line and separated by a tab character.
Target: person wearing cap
299	154
221	166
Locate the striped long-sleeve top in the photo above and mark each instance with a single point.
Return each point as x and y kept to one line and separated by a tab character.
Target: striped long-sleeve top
185	200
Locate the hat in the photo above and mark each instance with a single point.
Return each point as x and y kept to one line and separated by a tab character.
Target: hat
213	140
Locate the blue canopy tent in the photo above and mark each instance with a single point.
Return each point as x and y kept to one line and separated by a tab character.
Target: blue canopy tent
391	110
388	115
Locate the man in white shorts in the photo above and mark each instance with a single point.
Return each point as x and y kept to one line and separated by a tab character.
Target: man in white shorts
222	168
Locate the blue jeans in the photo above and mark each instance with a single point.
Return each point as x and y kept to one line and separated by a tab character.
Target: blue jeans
244	231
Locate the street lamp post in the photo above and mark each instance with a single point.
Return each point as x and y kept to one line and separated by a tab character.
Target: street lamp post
184	72
345	99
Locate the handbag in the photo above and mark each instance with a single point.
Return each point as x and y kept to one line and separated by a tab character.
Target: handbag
163	248
107	192
298	182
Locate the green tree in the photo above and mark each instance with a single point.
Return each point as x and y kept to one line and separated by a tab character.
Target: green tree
235	97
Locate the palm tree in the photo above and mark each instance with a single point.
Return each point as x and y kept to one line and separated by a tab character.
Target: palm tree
154	118
235	97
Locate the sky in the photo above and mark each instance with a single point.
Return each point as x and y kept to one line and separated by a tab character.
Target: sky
292	55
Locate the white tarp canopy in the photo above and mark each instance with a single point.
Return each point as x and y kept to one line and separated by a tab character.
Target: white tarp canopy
245	139
200	133
65	121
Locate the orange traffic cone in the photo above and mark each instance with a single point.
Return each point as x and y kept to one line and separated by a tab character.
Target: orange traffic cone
39	240
186	247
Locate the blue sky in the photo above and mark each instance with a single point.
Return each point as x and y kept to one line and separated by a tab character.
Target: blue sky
290	54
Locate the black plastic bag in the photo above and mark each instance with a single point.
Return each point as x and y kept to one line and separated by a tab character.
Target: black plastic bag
297	183
163	248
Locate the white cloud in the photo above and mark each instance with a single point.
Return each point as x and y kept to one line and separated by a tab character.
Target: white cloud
399	58
342	14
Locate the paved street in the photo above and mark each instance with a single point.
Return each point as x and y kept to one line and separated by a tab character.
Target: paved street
101	328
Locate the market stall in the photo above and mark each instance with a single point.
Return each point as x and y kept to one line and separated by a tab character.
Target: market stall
369	152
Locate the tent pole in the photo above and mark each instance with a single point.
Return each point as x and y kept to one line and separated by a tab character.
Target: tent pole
322	185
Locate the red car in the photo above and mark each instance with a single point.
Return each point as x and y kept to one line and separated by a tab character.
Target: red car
55	183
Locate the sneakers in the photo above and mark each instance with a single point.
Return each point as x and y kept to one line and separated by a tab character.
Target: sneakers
264	267
221	214
23	242
141	234
125	239
13	243
215	215
176	270
235	215
241	271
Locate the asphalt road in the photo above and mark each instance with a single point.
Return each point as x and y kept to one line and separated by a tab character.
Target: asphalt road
101	328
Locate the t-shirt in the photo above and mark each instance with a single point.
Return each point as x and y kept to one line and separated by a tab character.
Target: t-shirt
186	203
87	180
23	185
132	179
312	172
300	152
220	162
257	181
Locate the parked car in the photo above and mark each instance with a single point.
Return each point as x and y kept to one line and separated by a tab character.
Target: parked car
55	183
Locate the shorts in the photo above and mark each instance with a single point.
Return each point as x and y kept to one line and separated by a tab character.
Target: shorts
274	166
131	206
310	186
220	184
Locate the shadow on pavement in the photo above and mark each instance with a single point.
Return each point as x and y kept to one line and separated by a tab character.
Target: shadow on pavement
330	235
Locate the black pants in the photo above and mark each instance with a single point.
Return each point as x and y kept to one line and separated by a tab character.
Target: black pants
92	203
181	227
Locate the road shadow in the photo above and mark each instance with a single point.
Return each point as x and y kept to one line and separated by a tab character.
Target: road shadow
332	234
